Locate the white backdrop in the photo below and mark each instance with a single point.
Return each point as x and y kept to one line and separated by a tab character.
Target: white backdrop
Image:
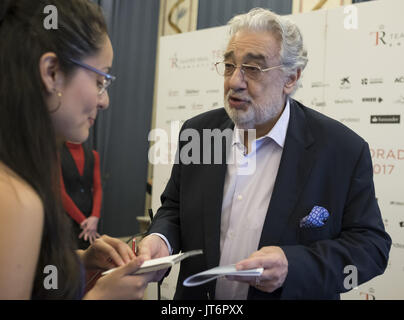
356	76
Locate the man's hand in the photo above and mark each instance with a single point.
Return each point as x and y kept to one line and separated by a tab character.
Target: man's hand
152	247
275	265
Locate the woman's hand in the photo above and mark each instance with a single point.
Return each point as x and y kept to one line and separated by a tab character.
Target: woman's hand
121	284
89	227
106	253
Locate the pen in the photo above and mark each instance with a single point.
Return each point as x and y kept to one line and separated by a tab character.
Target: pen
134	249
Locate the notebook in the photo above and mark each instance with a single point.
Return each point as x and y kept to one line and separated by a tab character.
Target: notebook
161	263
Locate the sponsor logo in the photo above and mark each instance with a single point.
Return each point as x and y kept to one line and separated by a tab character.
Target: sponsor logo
343	101
399	80
350	120
400	99
370	295
385	119
173	93
345	83
372	99
319	84
397	203
176	107
316	103
398	245
197	106
215	105
401	223
367	81
191	92
367	296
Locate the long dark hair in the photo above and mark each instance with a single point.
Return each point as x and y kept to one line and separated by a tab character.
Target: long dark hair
27	138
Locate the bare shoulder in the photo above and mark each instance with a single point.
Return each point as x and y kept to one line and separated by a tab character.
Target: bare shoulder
18	196
21	227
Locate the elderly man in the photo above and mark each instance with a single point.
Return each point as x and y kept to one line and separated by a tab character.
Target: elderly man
306	214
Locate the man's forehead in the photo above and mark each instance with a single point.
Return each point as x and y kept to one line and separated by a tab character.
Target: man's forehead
248	45
247	56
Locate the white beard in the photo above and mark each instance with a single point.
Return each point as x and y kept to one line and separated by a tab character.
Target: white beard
255	115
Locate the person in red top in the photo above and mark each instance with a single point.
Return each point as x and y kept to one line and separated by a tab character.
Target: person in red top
81	190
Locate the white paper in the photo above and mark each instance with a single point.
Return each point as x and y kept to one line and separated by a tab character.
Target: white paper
214	273
161	263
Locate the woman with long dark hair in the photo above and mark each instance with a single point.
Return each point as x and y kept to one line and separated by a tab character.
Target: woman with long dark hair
52	84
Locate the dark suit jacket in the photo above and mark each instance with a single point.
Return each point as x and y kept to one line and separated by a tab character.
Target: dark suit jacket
323	164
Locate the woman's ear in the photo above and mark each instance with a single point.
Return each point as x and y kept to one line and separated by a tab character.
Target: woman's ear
50	72
291	81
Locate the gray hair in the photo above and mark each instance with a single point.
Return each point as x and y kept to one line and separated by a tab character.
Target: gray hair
293	53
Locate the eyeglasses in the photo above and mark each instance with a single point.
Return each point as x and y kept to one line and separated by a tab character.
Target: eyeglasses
107	77
251	72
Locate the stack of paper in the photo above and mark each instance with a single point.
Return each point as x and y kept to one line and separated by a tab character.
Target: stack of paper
214	273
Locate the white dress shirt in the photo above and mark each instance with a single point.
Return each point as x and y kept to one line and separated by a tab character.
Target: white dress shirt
246	199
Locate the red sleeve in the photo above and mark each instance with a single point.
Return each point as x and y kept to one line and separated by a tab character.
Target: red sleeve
97	187
69	205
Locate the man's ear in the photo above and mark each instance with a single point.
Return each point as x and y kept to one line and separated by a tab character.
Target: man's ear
291	81
50	72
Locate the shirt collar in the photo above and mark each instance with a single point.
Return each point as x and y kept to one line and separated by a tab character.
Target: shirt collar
277	133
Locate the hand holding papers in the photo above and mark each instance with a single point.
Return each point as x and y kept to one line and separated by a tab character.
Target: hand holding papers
161	263
214	273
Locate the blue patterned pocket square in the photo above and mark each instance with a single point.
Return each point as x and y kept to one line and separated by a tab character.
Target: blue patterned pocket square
316	218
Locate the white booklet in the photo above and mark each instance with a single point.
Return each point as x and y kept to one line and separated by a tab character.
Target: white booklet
161	263
214	273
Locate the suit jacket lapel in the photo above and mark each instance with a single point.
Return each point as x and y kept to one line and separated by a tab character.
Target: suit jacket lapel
296	164
212	202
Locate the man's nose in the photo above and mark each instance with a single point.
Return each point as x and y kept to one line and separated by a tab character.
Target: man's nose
237	80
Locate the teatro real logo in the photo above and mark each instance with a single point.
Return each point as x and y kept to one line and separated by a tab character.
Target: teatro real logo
174	61
384	119
190	62
386	38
